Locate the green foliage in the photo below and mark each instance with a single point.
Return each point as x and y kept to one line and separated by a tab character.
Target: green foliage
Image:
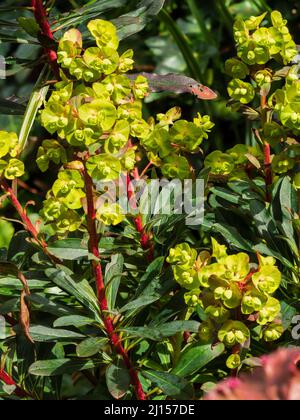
188	304
6	233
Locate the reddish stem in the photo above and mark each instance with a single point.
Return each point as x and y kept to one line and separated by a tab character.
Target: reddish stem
8	380
26	221
267	152
268	171
97	268
42	20
242	285
145	240
10	320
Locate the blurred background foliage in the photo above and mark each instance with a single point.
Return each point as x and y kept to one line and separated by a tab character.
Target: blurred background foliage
193	37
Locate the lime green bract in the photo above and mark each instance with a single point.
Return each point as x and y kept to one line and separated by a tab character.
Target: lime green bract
235	296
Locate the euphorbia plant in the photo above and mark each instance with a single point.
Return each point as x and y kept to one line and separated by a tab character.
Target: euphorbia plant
95	114
265	88
229	296
126	304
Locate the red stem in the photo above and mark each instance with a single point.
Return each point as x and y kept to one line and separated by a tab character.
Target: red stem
25	219
8	380
42	20
267	152
268	171
145	240
10	320
97	268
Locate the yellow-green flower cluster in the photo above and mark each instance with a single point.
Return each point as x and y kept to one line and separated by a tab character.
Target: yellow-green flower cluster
98	107
241	160
234	162
50	151
234	295
256	46
286	101
167	141
96	111
63	202
10	166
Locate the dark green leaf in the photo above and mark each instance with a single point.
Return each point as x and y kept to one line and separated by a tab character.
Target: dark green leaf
8	107
151	287
43	304
113	275
43	334
8	269
91	346
82	291
60	366
159	332
68	249
196	357
73	320
170	384
117	379
287	314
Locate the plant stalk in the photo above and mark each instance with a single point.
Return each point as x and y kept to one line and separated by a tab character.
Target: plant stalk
97	268
267	154
31	229
42	20
25	219
145	240
8	380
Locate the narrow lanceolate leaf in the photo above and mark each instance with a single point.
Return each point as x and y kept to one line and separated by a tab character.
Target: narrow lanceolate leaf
127	24
15	285
73	320
49	306
135	21
61	366
68	249
113	275
117	379
195	358
171	385
176	83
8	107
90	11
43	334
8	269
91	346
35	102
151	287
288	312
281	208
81	291
159	332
